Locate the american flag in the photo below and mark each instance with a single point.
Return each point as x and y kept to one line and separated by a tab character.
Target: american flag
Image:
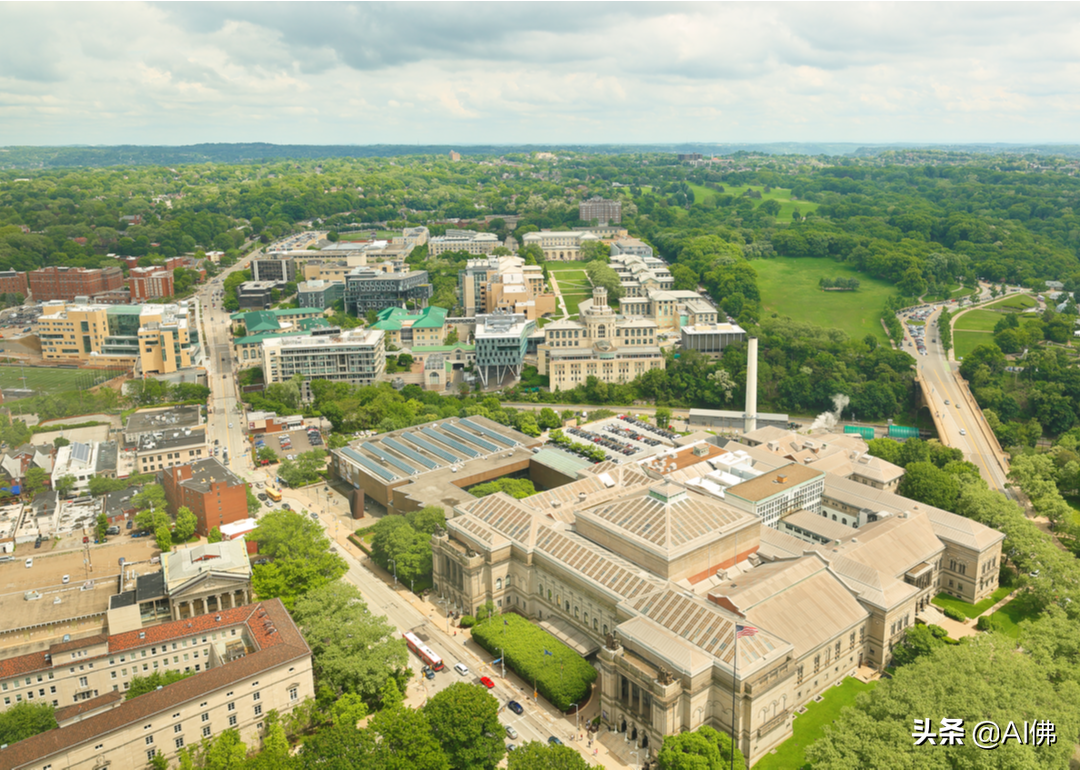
741	631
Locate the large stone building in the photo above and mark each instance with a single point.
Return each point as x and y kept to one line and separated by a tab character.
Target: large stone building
244	663
357	356
158	338
603	344
647	575
601	209
67	283
505	284
561	245
212	492
147	283
463	240
13	282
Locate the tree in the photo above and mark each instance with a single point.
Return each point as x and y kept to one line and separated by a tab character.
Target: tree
663	417
267	454
101	525
341	747
60	441
151	496
224	752
518	489
24	720
275	753
36	480
253	504
404	740
705	749
929	484
464	719
140	685
185	524
163	538
548	419
349	708
452	336
918	641
152	520
215	536
354	651
540	756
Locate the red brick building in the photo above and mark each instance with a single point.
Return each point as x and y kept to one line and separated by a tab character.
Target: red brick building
12	282
150	283
67	283
208	489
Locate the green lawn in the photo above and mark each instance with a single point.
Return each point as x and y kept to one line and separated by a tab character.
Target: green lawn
1074	503
562	267
962	292
783	195
789	286
49	381
542	322
977	321
971	610
790	755
1007	619
572	301
1016	302
965	342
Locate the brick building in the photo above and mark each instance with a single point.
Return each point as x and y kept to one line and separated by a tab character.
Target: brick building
67	283
12	282
208	489
150	283
600	209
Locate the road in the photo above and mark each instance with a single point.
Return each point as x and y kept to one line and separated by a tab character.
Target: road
962	422
406	612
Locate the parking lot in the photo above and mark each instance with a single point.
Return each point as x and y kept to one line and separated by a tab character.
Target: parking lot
624	437
292	442
49	569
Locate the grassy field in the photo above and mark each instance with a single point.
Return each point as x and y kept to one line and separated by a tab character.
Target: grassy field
705	195
48	381
572	301
1015	302
965	342
962	292
807	727
562	267
1074	503
789	286
574	282
971	610
977	321
1007	619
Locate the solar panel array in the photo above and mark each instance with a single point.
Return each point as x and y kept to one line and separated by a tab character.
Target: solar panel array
457	446
489	433
396	445
369	464
485	445
423	443
80	452
382	454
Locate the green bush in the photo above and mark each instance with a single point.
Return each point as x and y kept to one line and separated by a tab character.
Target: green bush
954	614
467	621
985	623
563	677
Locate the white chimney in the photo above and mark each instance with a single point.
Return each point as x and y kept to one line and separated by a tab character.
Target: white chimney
751	385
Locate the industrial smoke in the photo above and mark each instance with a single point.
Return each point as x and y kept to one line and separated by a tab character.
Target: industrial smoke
826	421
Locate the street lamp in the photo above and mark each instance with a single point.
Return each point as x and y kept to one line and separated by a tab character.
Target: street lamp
394	562
577	708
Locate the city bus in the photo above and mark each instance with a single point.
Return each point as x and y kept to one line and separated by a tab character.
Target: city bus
273	494
423	651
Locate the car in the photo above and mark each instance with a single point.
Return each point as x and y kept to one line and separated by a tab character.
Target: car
131	523
511	732
486	681
1033	573
261	560
286	506
947	402
958	406
87	586
268	504
65	579
314	516
262	496
963	432
230	424
554	741
511	747
515	707
462	669
37	543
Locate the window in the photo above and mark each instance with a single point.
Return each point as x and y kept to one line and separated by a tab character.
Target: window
177	728
150	755
257	696
82	681
294	693
149	740
206	732
258	709
232	720
179	742
232	707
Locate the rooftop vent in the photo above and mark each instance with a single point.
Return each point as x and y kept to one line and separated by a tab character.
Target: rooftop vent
217	618
142	634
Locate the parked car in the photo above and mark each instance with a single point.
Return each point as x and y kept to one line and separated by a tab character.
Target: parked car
87	586
554	741
65	579
428	673
515	707
314	516
261	496
511	732
30	562
286	506
131	523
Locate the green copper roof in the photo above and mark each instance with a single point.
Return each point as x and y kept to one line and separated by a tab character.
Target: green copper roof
391	319
307	324
260	337
287	311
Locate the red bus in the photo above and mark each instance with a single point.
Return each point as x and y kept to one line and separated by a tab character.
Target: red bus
423	651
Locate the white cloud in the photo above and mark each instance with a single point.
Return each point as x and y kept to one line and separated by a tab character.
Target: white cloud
324	73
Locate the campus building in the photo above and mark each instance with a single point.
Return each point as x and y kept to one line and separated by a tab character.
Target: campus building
560	245
605	211
277	269
158	338
646	569
319	293
13	282
357	356
502	340
603	344
710	338
83	461
463	240
147	283
171	446
368	289
67	283
506	284
245	661
631	246
216	495
426	328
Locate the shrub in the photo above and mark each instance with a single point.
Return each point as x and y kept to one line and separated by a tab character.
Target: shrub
467	621
561	675
954	614
985	623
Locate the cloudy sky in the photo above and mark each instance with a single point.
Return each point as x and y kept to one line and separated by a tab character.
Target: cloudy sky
460	73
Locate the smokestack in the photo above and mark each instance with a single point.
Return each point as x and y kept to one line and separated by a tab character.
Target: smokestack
751	385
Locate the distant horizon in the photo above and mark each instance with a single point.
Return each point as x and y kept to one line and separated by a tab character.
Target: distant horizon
658	143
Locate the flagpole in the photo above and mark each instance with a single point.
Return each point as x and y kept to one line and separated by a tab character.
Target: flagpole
734	678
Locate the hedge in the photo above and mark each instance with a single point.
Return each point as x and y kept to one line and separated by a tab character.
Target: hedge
563	678
955	614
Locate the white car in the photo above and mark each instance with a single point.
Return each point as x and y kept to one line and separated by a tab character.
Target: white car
461	668
230	425
963	432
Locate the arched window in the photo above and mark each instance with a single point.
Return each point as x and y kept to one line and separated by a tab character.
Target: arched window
594	624
568	605
507	581
498	584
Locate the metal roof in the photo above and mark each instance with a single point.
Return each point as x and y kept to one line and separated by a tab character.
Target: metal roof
470	437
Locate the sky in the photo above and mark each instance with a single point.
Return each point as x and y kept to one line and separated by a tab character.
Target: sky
538	73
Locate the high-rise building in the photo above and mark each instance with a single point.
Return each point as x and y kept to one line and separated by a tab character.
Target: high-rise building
501	341
280	269
600	209
67	283
150	283
506	284
357	356
12	282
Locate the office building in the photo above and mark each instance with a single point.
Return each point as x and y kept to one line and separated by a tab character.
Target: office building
257	295
505	284
67	283
639	274
710	338
463	240
245	662
147	283
278	269
84	460
331	270
600	209
501	342
647	575
320	293
280	320
357	356
159	339
412	237
208	489
172	446
13	282
560	245
426	328
601	344
367	289
631	247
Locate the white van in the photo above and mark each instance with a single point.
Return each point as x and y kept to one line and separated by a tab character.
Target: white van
462	669
30	562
